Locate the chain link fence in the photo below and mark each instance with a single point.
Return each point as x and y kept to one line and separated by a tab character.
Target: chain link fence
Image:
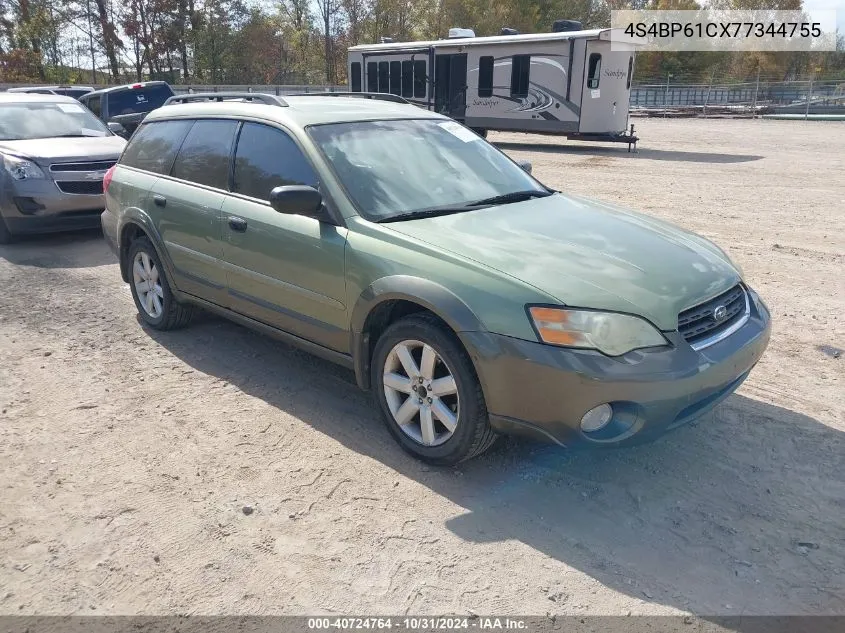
652	98
784	97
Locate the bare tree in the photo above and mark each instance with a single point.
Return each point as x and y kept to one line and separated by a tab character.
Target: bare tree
328	12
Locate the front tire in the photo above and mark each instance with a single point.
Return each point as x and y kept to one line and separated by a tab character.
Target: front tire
426	387
151	292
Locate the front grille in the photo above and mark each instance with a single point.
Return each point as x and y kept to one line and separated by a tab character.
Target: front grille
101	165
85	187
699	322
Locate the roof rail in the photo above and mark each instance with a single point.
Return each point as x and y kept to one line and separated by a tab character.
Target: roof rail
259	97
380	96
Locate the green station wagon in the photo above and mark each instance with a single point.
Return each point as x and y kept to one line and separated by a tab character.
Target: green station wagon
468	297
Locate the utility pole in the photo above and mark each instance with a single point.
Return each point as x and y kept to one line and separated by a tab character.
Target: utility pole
666	96
709	90
91	42
809	96
756	91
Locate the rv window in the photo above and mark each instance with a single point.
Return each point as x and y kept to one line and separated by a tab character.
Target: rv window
420	80
630	72
595	68
407	78
485	76
396	78
520	73
383	77
355	79
372	77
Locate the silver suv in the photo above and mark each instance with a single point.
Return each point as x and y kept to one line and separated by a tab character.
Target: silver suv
53	156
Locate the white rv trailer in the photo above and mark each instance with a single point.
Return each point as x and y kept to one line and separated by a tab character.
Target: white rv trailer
568	83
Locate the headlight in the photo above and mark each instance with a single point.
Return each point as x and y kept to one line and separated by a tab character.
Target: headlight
22	169
610	333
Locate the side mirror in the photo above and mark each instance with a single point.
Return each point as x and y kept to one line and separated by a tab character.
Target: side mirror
296	200
116	128
525	164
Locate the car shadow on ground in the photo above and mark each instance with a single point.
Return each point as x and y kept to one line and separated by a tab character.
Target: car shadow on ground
621	152
59	250
741	512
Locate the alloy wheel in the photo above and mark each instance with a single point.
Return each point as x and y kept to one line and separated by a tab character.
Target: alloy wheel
421	392
145	276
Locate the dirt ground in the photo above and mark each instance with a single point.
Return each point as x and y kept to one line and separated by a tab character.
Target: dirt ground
127	456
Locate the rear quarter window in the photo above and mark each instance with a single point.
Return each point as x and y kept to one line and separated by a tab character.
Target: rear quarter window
154	146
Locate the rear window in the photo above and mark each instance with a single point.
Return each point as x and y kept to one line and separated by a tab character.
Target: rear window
133	100
72	92
154	146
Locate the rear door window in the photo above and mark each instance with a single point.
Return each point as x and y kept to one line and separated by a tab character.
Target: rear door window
154	146
267	158
133	100
204	156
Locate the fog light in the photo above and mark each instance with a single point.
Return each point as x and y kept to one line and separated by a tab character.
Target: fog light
596	418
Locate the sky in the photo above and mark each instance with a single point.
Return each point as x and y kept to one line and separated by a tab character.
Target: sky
837	5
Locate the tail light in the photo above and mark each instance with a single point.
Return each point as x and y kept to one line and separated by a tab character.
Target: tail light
107	178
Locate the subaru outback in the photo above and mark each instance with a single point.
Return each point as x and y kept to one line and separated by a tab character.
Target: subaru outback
468	297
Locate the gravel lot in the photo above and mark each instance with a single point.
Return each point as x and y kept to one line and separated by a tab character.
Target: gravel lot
127	456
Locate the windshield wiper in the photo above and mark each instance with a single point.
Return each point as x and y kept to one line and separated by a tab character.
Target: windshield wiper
506	198
433	212
513	196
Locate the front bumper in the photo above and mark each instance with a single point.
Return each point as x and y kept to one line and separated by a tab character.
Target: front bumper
543	391
38	206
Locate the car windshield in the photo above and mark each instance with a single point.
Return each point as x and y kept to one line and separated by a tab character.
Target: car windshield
394	168
134	100
44	119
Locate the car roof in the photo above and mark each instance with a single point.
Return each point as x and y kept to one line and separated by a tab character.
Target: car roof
34	88
34	97
300	111
142	84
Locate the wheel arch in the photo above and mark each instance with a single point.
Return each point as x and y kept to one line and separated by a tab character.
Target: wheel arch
391	298
137	224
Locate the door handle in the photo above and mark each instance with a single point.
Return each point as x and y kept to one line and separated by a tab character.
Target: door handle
237	224
160	201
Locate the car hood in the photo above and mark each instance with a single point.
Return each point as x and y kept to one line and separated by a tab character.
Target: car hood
587	254
50	150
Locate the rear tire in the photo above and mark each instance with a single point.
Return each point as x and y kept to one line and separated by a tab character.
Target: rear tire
482	133
5	236
151	292
426	387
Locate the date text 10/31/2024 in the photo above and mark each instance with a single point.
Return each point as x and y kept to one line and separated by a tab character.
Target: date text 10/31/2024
418	624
